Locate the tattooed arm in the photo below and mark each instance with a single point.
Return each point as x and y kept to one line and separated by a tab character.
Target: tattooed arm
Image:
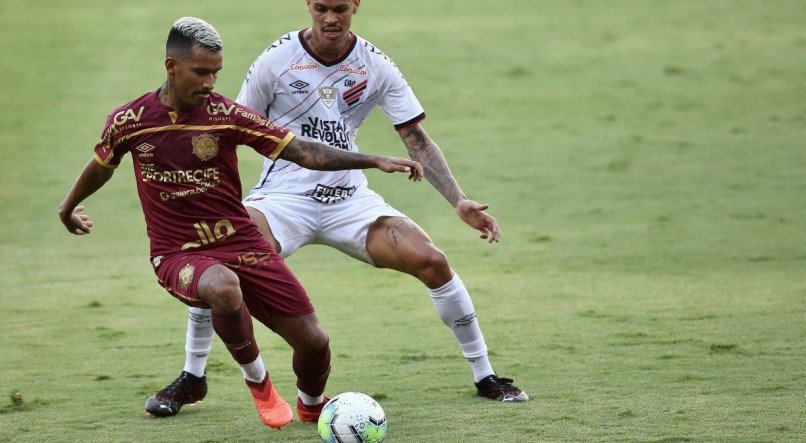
424	150
321	157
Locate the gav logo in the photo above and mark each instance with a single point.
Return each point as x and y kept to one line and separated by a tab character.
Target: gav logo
128	114
299	87
216	108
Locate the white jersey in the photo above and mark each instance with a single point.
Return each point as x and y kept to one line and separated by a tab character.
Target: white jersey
324	101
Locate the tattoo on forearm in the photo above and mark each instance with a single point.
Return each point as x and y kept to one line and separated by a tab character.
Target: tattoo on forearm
314	155
293	152
422	149
398	231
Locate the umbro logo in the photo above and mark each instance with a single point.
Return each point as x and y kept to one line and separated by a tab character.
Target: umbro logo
300	86
466	320
145	150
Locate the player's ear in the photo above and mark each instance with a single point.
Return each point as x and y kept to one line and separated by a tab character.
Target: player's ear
170	65
356	4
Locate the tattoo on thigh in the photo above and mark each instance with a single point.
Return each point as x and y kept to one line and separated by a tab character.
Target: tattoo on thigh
398	231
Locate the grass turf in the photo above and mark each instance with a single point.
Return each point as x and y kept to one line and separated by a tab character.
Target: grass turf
644	158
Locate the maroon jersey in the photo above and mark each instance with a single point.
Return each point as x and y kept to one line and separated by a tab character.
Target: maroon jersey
187	169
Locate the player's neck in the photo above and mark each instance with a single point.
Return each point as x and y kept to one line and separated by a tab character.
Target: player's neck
327	49
167	97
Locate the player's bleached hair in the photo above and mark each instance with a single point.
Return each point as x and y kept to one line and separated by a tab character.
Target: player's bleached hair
188	32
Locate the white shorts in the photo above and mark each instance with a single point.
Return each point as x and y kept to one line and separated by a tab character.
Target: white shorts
297	220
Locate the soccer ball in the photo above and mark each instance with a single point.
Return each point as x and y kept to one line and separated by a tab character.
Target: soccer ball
352	417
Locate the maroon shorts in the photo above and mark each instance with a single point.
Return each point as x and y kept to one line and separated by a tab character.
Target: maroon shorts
268	286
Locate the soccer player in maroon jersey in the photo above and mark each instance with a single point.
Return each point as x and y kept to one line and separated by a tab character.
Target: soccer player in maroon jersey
322	82
205	250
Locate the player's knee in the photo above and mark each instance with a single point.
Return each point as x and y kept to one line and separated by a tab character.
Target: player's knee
432	267
315	341
225	300
221	289
319	340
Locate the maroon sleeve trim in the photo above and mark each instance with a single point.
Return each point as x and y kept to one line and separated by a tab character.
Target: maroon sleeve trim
410	123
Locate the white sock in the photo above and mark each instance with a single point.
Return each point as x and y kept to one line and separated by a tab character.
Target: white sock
307	400
481	367
198	341
455	308
255	371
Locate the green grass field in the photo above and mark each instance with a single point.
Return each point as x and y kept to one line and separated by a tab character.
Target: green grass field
644	158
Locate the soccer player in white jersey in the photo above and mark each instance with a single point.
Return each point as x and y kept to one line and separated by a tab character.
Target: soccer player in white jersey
322	83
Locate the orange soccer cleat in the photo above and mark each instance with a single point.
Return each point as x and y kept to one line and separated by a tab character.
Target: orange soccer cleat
310	414
272	409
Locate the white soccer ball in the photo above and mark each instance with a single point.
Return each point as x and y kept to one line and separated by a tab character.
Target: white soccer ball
352	417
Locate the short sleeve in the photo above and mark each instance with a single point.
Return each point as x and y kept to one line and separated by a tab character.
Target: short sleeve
398	100
107	152
260	133
256	90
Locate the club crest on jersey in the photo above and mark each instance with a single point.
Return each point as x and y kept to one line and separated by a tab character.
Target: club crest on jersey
328	94
205	146
186	276
352	95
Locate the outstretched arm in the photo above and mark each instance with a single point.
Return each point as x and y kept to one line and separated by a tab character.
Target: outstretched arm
321	157
424	150
90	180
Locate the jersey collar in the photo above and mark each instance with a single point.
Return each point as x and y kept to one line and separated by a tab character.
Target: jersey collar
324	62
